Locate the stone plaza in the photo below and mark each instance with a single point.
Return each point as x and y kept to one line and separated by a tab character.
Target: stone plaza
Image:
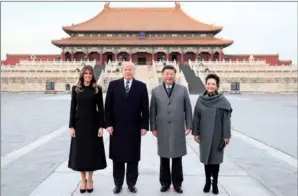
261	159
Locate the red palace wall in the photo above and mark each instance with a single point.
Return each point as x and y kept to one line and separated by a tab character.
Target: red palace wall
12	59
270	59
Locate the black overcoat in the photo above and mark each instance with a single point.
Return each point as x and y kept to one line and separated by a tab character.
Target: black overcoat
127	114
87	151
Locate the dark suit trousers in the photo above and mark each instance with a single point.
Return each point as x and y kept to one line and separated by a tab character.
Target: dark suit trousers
132	173
166	176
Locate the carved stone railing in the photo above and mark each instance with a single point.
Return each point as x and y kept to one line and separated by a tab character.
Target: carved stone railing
58	63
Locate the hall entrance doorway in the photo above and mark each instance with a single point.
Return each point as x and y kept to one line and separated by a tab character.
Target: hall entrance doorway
141	60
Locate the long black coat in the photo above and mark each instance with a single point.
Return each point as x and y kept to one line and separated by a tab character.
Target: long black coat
86	117
127	115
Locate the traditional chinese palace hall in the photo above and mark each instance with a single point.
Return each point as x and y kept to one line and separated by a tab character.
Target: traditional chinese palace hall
152	34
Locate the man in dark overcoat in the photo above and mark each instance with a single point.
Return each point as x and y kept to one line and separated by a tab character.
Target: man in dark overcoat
127	118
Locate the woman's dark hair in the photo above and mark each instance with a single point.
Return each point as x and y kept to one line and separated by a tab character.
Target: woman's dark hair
213	76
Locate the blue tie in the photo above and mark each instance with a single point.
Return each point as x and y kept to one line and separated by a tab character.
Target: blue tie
169	91
127	87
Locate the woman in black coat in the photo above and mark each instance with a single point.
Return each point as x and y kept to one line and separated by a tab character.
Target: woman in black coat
86	124
212	129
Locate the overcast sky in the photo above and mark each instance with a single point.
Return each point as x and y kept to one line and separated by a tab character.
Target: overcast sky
256	28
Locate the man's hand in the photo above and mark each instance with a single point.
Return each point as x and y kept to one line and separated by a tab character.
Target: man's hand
72	132
197	139
110	130
187	131
154	132
227	141
100	131
143	132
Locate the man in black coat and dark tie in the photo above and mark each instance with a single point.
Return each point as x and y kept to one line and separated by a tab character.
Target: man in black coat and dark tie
127	118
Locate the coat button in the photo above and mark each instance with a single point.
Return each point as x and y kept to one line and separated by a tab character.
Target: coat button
169	122
169	112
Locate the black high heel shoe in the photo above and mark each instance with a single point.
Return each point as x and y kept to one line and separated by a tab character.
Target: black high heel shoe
90	190
83	190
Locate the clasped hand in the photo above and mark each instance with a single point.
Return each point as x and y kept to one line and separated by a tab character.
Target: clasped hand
197	139
111	131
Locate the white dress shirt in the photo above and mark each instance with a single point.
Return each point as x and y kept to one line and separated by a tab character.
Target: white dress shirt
129	84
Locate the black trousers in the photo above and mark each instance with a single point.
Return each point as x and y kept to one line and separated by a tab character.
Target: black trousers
132	173
166	176
211	170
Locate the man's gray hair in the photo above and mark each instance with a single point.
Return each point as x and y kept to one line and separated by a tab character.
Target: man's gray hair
125	63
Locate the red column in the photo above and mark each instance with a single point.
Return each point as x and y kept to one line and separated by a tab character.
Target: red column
182	59
221	56
101	59
168	56
62	56
152	58
130	57
72	56
211	56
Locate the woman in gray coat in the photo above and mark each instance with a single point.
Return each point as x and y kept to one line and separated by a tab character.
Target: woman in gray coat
212	129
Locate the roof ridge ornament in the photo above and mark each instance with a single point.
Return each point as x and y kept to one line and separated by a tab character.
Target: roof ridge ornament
107	5
177	5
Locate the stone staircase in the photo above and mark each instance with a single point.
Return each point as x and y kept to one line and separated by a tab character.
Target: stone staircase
195	84
98	69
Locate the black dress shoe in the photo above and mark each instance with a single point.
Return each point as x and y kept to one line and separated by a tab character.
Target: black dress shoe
164	188
83	190
207	186
117	189
178	189
214	188
90	190
132	189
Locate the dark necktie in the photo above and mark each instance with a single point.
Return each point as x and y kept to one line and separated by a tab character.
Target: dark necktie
169	89
127	87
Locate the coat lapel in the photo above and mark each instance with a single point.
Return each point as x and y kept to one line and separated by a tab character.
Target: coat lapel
163	93
174	90
130	90
121	83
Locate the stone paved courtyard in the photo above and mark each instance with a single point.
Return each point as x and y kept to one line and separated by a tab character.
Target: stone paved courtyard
261	159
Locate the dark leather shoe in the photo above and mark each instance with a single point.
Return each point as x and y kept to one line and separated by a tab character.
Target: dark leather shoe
207	186
90	190
164	188
178	189
117	189
132	189
214	188
83	190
